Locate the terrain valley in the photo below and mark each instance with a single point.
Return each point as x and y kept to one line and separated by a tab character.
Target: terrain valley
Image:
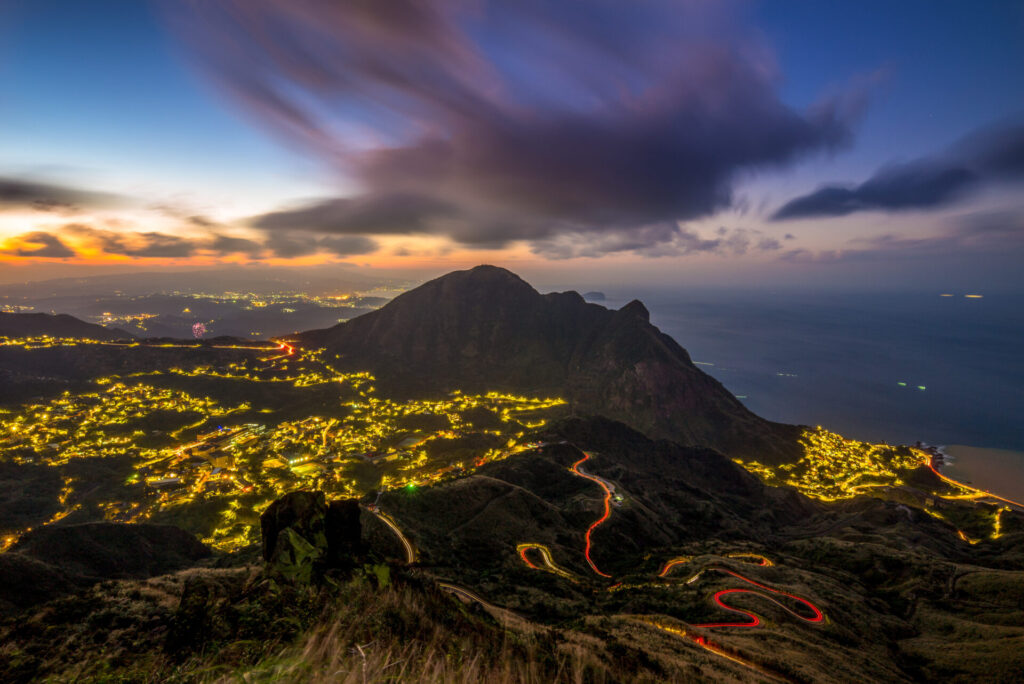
474	481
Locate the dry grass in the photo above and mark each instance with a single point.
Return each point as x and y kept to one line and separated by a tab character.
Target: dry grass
395	635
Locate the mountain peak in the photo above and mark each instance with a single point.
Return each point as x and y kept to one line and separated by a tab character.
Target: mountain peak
487	329
636	308
484	277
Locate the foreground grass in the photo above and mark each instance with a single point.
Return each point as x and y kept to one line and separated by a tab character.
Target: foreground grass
236	626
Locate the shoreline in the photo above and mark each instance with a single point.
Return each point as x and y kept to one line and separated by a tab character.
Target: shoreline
1000	471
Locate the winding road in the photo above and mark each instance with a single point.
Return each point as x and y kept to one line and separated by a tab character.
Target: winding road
549	565
607	508
754	619
980	493
410	550
762	590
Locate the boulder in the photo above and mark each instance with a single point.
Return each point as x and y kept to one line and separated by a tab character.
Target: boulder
304	536
344	534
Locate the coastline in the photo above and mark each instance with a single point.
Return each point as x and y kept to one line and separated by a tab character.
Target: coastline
1000	471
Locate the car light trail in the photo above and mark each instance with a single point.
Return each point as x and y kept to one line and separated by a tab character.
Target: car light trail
738	555
667	567
704	643
754	619
981	492
549	563
761	560
410	551
607	510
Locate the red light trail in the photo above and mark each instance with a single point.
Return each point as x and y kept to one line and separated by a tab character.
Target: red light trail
762	590
754	619
522	554
607	511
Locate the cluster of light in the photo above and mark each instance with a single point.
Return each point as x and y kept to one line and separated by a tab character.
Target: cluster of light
833	467
204	458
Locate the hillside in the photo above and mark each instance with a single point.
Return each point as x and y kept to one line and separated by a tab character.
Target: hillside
487	329
698	571
408	497
59	325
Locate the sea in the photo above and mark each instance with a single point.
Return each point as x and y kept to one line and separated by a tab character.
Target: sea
896	368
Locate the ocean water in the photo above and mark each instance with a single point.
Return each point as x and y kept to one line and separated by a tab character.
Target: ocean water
896	368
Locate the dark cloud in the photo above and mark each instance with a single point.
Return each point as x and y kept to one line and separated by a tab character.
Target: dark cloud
383	214
290	244
990	156
512	119
348	245
21	193
657	240
233	245
40	244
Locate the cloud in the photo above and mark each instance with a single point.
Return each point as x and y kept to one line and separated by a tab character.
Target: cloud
22	193
659	240
378	214
190	218
289	245
54	243
348	245
134	244
512	119
974	234
234	245
987	157
39	244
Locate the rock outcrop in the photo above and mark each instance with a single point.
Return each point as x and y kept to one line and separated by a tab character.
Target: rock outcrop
304	536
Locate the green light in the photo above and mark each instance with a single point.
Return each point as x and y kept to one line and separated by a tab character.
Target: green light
902	384
410	486
921	387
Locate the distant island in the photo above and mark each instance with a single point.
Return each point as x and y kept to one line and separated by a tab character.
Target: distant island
594	296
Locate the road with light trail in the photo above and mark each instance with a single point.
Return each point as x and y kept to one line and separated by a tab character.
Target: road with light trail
410	551
754	619
981	493
549	563
607	509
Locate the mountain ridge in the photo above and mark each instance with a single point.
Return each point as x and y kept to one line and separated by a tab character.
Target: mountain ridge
56	325
487	329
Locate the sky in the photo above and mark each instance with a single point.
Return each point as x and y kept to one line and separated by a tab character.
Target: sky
858	145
